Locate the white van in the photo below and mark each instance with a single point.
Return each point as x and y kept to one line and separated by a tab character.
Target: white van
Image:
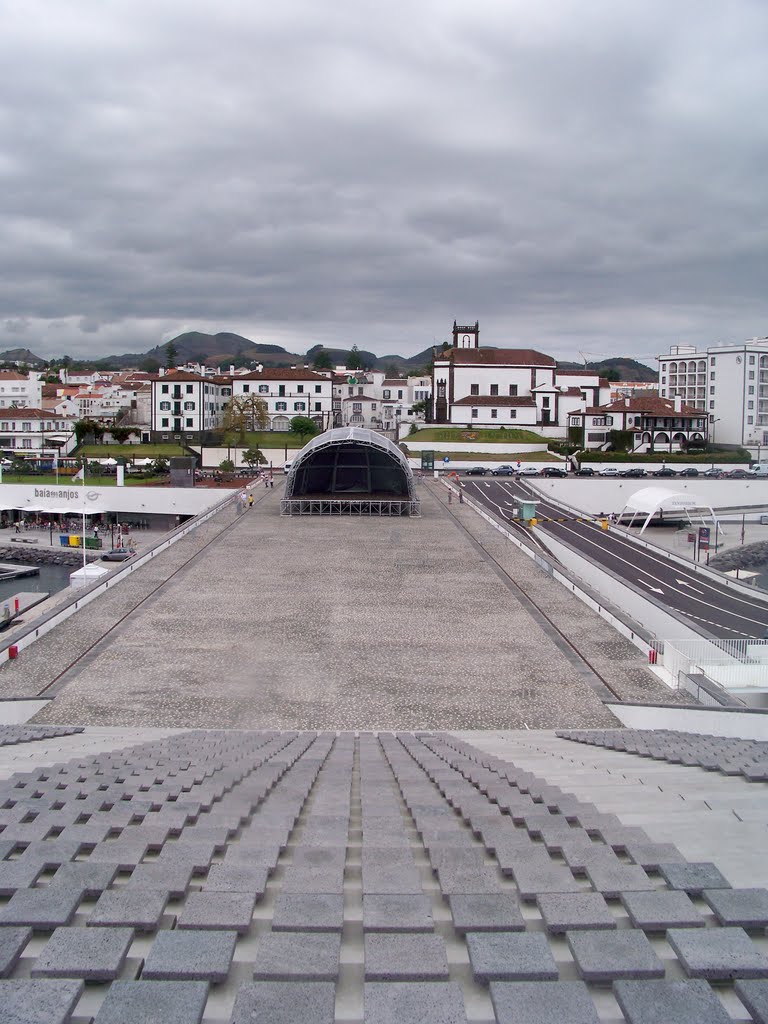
759	469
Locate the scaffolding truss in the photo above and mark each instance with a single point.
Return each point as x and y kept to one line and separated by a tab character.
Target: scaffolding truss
330	506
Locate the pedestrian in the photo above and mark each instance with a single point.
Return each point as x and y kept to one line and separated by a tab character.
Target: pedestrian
266	483
450	497
96	531
17	527
250	501
461	497
271	482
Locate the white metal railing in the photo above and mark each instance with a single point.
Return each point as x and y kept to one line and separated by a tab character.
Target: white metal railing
732	664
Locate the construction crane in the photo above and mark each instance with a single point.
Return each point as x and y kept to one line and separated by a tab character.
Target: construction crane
598	355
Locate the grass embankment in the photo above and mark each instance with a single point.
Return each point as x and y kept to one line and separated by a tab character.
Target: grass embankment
65	480
502	435
504	457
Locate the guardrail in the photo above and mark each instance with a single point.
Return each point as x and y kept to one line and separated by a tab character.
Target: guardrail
26	636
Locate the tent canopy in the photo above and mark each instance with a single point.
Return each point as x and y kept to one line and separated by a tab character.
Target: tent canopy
650	500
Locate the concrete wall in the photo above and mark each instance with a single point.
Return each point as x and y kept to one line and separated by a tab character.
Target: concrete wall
211	458
415	445
748	725
140	501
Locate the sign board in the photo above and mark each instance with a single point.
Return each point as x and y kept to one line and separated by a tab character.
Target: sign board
427	460
704	538
446	458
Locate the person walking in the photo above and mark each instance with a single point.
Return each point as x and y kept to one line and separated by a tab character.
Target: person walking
271	482
266	483
250	501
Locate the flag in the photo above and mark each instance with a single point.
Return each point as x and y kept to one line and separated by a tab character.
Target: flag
79	474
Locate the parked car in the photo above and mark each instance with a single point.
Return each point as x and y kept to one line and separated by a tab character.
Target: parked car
739	474
529	471
713	474
287	467
585	471
117	555
476	471
664	471
503	471
609	471
635	471
553	471
690	471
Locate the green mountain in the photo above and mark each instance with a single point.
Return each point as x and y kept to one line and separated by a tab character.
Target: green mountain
20	355
618	368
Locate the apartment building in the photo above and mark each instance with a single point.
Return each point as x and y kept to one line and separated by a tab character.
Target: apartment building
186	406
20	389
729	381
35	432
289	392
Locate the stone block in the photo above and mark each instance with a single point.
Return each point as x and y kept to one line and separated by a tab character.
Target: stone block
39	1002
285	1002
754	995
613	879
190	956
542	1002
693	878
495	912
612	955
297	956
235	877
657	911
582	911
537	877
126	855
681	1002
308	912
92	879
42	909
398	957
141	909
410	1003
12	943
96	954
502	956
718	954
315	869
51	852
173	879
650	855
390	872
222	911
147	1002
747	908
18	874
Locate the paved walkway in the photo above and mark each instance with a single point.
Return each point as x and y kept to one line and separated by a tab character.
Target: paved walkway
333	623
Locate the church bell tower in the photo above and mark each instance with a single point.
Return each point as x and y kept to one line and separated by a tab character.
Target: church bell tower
466	337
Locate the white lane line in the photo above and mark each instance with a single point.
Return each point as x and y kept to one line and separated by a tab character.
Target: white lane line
685	583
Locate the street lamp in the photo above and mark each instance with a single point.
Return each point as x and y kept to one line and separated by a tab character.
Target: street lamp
712	421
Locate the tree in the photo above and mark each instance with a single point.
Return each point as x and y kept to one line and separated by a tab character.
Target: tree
253	457
150	365
322	360
303	425
160	466
121	434
420	407
244	413
171	355
227	466
85	427
354	359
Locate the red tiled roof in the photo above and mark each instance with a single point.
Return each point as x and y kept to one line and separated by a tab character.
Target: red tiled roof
12	375
652	405
360	398
31	414
497	357
176	376
283	373
501	401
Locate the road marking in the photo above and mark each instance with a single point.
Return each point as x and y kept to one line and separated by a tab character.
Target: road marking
685	583
656	590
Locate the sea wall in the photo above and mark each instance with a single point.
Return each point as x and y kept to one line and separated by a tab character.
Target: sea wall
751	556
30	554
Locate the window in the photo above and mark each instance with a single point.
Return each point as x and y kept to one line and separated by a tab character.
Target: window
359	391
750	419
711	405
751	389
712	375
513	390
189	406
474	414
299	389
373	407
545	403
26	426
318	389
751	374
165	407
281	406
281	390
26	442
387	393
246	388
164	422
318	406
263	389
494	414
750	405
351	391
751	360
357	407
399	394
494	390
164	388
513	414
712	391
299	406
190	422
712	361
474	389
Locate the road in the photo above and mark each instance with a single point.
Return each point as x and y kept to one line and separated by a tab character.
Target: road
719	610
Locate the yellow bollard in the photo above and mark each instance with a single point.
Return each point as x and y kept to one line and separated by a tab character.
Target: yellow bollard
604	523
533	522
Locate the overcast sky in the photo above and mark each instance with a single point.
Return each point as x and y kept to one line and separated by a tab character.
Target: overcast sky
576	175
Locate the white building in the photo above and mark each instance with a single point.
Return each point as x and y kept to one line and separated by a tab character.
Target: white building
35	432
495	387
186	406
289	393
373	400
20	390
729	381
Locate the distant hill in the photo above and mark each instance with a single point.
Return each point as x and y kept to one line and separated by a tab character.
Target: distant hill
20	355
621	366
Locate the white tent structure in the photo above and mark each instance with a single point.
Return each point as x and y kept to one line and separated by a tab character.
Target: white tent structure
650	500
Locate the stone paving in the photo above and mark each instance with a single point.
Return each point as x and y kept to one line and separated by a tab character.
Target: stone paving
374	879
336	623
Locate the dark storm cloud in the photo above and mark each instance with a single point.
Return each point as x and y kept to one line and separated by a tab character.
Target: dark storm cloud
575	176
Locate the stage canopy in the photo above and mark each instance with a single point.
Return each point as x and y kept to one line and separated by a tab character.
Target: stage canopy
649	501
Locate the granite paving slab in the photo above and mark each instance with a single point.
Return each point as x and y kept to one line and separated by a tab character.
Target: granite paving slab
747	908
486	913
542	1002
39	1002
432	1002
693	878
297	956
12	943
676	1001
754	995
154	1002
97	954
42	909
718	954
612	955
504	956
285	1002
657	911
141	909
223	911
190	956
403	957
583	911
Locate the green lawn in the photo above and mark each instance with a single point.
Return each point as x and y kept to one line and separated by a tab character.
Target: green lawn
65	480
457	434
269	439
504	457
129	451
